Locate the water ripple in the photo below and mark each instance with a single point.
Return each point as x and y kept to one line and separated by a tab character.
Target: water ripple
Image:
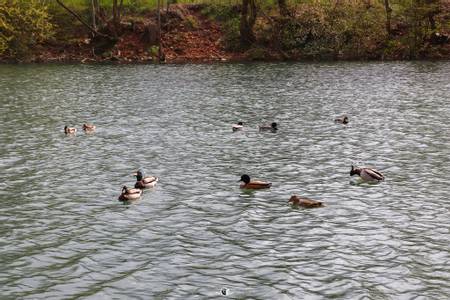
63	234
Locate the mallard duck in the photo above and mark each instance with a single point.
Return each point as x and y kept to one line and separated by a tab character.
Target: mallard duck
144	182
129	194
238	126
304	202
272	127
341	120
70	130
89	127
247	184
225	291
367	174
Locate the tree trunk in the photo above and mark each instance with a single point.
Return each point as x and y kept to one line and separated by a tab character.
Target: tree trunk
248	19
432	22
388	18
101	42
115	13
119	12
94	10
282	7
161	57
73	13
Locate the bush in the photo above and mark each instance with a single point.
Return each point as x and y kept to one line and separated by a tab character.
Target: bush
328	31
221	12
23	24
231	38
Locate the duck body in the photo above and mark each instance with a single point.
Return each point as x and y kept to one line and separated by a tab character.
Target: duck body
304	202
272	127
254	185
341	120
130	194
70	130
144	182
89	127
367	174
237	127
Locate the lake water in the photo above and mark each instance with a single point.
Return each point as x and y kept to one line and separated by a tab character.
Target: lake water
64	235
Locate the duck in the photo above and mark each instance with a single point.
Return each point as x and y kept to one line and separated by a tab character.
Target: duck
238	126
254	185
341	120
272	127
144	182
367	174
130	194
304	202
70	130
89	127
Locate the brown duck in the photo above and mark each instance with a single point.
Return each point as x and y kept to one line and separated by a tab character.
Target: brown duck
254	185
304	202
88	128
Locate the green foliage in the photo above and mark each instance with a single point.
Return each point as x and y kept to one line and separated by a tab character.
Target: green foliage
229	16
417	16
257	54
154	50
23	24
231	38
314	28
357	30
220	12
329	31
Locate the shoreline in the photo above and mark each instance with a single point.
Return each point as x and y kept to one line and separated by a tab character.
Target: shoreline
206	61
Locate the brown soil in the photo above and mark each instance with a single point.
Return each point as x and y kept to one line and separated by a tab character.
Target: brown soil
201	43
189	38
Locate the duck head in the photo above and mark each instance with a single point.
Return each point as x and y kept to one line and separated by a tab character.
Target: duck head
140	174
355	171
245	178
274	126
295	200
124	189
345	120
240	123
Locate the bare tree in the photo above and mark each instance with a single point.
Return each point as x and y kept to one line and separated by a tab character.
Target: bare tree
282	7
248	19
94	5
388	17
117	11
73	13
161	57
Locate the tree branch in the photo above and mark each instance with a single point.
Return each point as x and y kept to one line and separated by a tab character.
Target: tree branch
95	32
